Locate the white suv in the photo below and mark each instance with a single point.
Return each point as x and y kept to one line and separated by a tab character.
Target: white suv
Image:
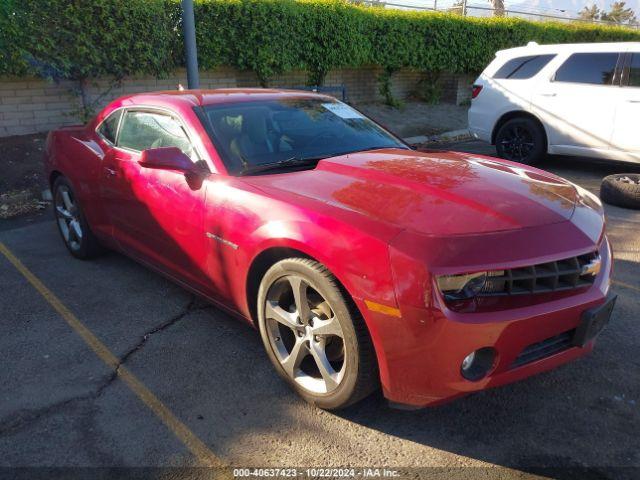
572	99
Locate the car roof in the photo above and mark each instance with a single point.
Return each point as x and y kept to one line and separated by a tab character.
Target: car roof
202	97
533	48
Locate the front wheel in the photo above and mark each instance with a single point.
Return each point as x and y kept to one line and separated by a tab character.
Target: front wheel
521	140
314	335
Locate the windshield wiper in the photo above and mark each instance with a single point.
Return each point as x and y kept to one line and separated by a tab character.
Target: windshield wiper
366	149
306	161
286	163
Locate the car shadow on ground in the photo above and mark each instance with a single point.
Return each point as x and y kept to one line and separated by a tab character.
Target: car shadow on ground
586	166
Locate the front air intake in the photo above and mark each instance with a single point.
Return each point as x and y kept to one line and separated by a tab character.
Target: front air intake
544	349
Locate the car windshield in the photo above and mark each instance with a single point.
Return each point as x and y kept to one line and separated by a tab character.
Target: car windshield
286	133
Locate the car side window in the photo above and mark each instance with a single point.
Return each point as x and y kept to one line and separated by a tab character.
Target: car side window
142	130
589	68
522	68
634	70
109	127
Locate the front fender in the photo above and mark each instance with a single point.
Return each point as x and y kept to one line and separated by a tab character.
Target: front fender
358	261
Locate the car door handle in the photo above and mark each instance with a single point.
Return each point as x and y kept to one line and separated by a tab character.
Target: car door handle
548	94
633	101
111	172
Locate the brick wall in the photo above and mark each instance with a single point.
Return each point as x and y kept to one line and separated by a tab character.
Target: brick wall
31	105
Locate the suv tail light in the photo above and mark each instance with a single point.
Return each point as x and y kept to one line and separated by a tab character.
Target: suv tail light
476	91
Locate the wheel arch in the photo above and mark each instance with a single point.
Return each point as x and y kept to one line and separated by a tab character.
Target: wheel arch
518	114
53	176
259	266
265	260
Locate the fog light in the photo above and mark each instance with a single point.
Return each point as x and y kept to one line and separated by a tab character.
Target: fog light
468	360
477	364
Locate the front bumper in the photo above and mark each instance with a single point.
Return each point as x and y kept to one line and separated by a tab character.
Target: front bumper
420	354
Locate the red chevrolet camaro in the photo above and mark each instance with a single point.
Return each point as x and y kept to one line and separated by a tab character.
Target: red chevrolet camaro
362	262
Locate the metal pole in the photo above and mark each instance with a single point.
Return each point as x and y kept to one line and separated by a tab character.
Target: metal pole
190	49
464	8
435	5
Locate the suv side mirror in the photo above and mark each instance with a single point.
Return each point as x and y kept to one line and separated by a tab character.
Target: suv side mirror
167	158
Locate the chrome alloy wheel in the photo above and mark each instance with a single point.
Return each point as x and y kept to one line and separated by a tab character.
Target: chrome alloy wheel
305	335
68	217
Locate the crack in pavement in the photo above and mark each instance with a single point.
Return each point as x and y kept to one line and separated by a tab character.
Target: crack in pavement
189	308
23	418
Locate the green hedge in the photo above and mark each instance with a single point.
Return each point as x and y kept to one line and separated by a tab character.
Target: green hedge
82	39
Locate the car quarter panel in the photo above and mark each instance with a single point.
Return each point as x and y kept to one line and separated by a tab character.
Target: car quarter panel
77	154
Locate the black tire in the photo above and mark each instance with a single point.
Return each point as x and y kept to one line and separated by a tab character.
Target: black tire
622	189
360	377
84	246
521	140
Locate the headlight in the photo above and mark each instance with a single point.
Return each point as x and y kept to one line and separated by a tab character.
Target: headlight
460	287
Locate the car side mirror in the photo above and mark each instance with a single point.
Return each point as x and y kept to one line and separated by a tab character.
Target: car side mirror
167	158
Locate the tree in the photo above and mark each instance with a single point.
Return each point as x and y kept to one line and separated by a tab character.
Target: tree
457	7
498	8
591	13
619	14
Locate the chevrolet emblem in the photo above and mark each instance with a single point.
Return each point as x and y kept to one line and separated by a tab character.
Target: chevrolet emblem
591	268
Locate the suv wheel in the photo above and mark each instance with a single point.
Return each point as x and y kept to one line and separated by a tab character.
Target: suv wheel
521	140
314	334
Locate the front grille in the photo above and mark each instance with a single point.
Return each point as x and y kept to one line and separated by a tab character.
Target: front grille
567	274
544	349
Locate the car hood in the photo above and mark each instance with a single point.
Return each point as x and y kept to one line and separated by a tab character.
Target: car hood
433	193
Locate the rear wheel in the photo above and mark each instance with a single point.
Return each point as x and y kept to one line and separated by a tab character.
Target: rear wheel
521	140
73	227
314	335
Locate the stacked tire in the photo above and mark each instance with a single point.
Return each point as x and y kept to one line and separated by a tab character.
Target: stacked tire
622	190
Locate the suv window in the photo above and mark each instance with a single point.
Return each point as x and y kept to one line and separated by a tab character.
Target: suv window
522	68
109	127
634	70
142	130
591	68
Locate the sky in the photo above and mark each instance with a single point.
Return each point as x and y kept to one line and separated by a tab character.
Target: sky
552	7
570	6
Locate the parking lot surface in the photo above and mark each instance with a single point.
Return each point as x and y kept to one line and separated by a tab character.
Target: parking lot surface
61	405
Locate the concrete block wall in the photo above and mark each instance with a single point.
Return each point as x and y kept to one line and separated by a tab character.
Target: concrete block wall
32	105
463	87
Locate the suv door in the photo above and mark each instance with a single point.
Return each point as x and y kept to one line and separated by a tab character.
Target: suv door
577	105
157	215
626	137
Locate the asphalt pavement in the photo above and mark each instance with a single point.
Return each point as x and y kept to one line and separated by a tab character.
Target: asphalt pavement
187	384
